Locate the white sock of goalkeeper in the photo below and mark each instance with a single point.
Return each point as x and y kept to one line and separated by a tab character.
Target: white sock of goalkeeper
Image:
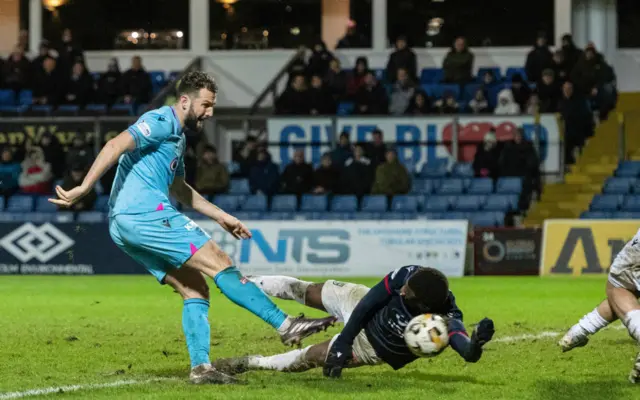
591	323
282	287
293	361
632	322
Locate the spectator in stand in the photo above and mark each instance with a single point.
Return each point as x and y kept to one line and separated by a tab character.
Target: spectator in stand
548	92
519	159
342	152
53	154
392	177
578	121
447	105
521	91
506	104
36	173
595	79
297	177
376	149
319	61
326	178
297	67
69	53
17	71
46	84
538	59
9	173
74	179
80	153
403	91
533	105
212	176
571	53
560	67
264	176
295	99
479	104
489	80
485	161
402	58
321	101
371	98
246	155
336	80
458	63
357	176
44	52
79	87
136	83
420	104
357	77
110	84
352	39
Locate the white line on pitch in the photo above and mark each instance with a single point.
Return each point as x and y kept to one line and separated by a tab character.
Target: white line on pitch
541	335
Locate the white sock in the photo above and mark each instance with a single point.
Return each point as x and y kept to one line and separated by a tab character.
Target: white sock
293	361
282	287
632	322
591	323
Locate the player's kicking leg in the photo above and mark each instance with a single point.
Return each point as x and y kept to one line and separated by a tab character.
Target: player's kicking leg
624	303
578	335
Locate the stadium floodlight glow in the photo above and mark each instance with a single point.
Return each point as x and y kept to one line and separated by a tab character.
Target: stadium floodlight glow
51	5
135	35
179	34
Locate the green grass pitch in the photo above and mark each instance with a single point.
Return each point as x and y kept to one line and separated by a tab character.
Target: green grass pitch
58	331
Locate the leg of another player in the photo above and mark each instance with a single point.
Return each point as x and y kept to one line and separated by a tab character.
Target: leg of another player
588	325
193	289
625	305
289	288
215	263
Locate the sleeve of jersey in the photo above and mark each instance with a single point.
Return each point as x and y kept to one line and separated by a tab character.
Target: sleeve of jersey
373	301
460	342
150	131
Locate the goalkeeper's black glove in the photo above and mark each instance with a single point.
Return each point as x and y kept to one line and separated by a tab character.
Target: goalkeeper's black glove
482	333
339	355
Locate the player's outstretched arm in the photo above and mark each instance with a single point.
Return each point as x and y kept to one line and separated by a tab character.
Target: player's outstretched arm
106	159
470	348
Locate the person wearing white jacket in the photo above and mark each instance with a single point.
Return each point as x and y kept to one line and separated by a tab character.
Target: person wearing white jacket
36	173
506	104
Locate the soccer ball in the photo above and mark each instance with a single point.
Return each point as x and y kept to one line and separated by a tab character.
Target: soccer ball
426	335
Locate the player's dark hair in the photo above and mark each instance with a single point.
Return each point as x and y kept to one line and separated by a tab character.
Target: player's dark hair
430	288
193	81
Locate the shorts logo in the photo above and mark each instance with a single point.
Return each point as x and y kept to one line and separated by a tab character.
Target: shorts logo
42	243
174	164
191	226
244	280
144	128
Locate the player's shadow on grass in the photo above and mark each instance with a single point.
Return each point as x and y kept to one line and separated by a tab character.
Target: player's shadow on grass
593	389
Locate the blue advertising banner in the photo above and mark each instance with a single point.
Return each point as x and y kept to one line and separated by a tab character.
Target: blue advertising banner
61	249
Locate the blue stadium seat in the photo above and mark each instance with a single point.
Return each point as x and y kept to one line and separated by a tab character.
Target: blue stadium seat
631	203
511	71
12	111
469	92
628	169
158	80
13	216
437	204
398	216
284	203
96	109
102	204
367	216
40	110
595	215
239	186
483	70
618	185
431	75
173	75
280	215
606	202
7	98
91	217
25	98
455	215
462	170
346	108
404	204
469	203
374	203
500	202
248	216
480	186
314	203
43	205
121	109
340	216
422	186
228	202
434	170
40	217
96	76
67	110
624	215
255	203
344	203
452	186
437	91
510	185
20	203
483	220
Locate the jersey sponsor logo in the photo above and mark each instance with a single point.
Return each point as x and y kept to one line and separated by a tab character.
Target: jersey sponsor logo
577	247
174	164
144	128
191	225
42	242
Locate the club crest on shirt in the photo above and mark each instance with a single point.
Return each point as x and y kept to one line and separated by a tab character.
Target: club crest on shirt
174	164
144	128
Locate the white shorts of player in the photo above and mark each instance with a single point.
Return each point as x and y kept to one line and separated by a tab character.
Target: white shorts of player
625	269
339	299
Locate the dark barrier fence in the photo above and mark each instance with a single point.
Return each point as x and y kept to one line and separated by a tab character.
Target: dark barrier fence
507	251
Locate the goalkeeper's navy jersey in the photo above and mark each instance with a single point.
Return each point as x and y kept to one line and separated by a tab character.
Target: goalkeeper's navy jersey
385	330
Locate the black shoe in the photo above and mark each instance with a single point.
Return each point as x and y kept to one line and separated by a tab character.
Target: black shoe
302	327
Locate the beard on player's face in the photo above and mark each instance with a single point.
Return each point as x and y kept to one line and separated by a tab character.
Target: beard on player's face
191	120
